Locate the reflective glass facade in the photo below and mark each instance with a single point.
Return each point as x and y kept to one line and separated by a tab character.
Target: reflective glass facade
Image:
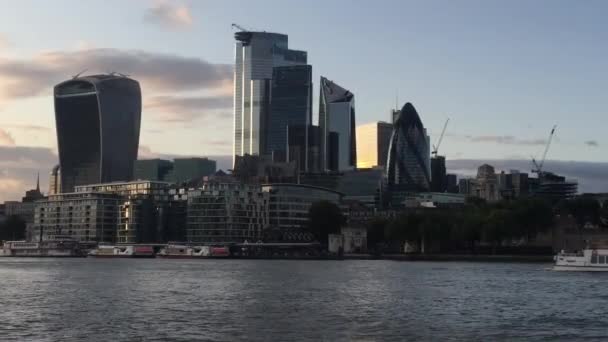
291	105
256	54
408	164
98	122
337	114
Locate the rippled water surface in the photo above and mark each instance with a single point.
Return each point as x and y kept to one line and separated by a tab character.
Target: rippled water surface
228	300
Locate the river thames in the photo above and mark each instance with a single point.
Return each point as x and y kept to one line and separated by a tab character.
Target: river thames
254	300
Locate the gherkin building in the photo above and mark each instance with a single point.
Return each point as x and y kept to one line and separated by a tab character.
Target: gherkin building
408	162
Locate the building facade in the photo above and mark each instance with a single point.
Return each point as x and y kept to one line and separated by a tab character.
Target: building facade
98	121
221	213
152	169
373	140
290	105
288	204
83	216
337	114
256	54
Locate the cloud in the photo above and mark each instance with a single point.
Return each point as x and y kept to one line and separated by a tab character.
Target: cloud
590	175
6	138
169	15
156	72
592	143
505	139
4	41
188	108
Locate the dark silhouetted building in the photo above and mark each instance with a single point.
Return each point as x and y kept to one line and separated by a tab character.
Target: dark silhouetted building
186	169
408	166
303	147
438	174
337	114
452	183
152	169
98	121
290	105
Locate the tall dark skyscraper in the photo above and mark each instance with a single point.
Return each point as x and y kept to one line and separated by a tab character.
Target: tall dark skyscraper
337	114
98	120
408	164
438	174
290	105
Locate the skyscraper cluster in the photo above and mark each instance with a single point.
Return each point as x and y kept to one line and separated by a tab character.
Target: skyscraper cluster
273	96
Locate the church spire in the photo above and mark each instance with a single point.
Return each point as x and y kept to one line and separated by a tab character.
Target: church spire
38	182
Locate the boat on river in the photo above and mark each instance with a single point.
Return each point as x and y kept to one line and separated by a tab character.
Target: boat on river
52	249
587	260
193	252
127	251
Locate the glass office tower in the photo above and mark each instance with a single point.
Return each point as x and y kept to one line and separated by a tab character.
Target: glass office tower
290	105
337	114
256	54
408	164
98	121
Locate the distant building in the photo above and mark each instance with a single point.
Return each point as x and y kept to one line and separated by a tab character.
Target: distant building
303	147
408	164
492	187
486	184
553	187
262	169
290	105
438	174
98	121
256	56
152	169
337	114
373	141
55	181
452	183
185	169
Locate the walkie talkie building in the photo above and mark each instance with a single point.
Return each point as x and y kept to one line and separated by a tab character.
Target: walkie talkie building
98	121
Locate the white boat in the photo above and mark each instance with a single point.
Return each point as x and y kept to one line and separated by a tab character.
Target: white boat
184	252
106	251
588	260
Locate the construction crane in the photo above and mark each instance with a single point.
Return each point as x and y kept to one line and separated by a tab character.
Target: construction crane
237	26
539	166
436	148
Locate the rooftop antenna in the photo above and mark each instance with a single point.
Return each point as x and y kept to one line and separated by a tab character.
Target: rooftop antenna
78	74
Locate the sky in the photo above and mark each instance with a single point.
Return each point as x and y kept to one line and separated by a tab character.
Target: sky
504	72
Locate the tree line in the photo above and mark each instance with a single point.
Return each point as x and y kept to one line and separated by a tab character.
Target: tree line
465	229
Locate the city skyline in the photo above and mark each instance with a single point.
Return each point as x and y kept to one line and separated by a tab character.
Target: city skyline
503	98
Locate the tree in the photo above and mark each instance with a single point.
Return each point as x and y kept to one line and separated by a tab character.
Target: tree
325	218
13	228
583	209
